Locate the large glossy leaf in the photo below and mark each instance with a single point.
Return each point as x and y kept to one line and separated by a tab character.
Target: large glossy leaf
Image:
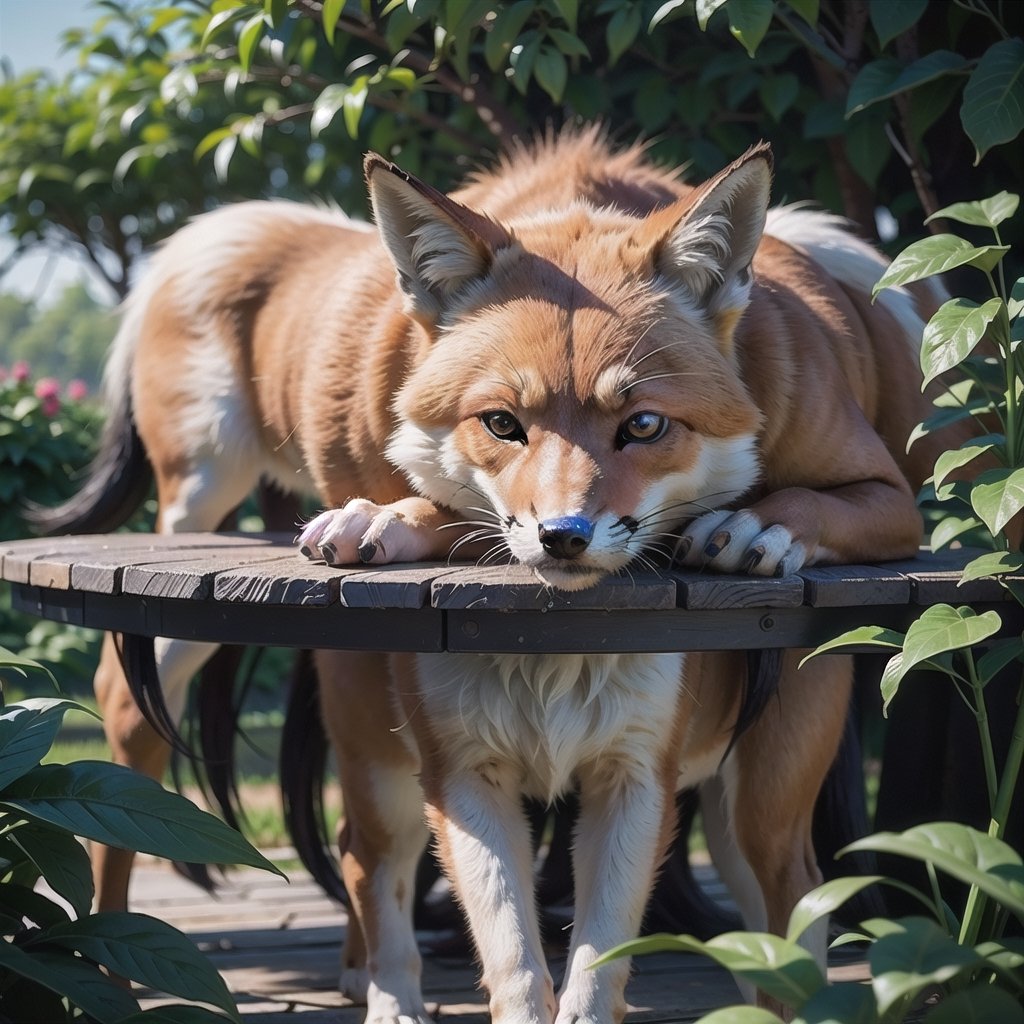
749	21
27	731
504	31
19	901
917	956
961	851
952	527
983	213
61	859
875	81
82	982
146	950
993	563
862	636
952	334
113	805
943	628
741	1015
781	969
936	255
890	18
950	461
998	496
848	1002
978	1004
993	107
824	900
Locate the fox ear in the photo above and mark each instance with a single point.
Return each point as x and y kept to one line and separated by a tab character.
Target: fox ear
710	242
436	244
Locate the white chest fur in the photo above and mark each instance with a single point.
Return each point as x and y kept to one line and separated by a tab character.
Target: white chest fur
547	715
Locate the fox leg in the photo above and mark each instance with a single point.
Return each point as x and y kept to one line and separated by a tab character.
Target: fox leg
624	829
484	841
382	839
773	778
192	503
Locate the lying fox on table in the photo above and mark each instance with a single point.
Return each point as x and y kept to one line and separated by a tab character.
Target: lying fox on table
570	363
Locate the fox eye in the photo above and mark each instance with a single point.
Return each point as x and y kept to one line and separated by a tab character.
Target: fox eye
504	426
642	428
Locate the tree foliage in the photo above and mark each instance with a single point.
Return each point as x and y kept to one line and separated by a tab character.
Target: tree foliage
177	107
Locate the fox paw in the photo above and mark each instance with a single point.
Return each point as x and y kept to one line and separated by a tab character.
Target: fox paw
739	542
363	532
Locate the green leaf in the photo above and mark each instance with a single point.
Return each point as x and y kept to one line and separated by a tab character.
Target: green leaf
666	12
936	255
952	334
949	462
874	82
569	10
862	636
823	900
521	60
781	969
778	93
218	21
352	105
570	45
978	1004
993	108
61	859
504	31
146	950
993	563
23	902
961	851
84	984
807	9
210	140
848	1002
111	804
749	21
222	156
918	956
741	1015
329	16
891	18
27	731
249	38
942	628
1016	304
621	31
704	9
551	71
997	497
997	657
950	528
986	213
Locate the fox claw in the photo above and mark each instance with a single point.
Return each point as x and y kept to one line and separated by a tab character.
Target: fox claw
362	532
740	542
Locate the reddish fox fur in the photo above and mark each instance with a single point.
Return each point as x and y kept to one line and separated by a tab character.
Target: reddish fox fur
571	362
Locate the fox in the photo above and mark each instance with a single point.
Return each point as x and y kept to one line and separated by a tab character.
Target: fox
581	363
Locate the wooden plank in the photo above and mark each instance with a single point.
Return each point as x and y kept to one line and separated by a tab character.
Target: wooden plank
190	575
717	591
514	587
394	586
838	586
287	579
935	579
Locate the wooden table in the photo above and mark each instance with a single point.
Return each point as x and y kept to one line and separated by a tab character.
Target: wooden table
256	589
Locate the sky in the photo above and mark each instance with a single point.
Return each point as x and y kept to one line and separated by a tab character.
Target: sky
30	32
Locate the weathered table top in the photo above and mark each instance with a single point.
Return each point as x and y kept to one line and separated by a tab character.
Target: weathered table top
255	588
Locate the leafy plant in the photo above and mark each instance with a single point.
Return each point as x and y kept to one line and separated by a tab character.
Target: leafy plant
961	953
53	963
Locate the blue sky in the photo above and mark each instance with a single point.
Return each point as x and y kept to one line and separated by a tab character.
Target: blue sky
30	32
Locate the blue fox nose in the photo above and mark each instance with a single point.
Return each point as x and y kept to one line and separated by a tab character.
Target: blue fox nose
565	536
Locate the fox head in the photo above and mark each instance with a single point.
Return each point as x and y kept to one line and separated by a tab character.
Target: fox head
576	394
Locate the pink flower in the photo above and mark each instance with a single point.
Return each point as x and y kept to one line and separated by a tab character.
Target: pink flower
48	393
20	371
77	390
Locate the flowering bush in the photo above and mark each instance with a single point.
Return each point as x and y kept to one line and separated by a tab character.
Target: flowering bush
45	440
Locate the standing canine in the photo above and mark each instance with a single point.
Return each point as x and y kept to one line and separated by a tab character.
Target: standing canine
573	362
